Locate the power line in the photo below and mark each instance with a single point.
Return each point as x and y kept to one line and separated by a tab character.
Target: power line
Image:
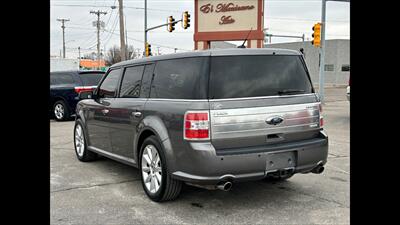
155	44
128	7
113	29
307	20
63	33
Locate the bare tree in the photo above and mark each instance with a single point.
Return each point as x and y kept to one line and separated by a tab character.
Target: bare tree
114	54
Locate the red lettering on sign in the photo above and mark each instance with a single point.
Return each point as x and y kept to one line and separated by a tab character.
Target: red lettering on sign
224	7
226	20
205	8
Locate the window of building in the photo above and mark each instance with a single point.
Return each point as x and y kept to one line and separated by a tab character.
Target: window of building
329	67
345	67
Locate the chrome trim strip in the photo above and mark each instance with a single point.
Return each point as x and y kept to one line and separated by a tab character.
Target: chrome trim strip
266	129
261	121
215	114
178	100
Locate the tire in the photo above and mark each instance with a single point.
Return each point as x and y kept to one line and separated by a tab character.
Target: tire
61	111
150	166
80	144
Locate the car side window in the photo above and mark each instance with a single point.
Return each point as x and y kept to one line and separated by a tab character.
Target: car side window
146	81
184	78
109	86
131	82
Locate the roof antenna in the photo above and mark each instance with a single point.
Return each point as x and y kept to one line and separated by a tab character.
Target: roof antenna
242	46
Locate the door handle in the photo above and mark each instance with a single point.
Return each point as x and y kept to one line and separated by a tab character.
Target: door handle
105	111
137	114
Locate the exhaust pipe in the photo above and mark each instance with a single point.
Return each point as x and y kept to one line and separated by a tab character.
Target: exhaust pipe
318	169
225	186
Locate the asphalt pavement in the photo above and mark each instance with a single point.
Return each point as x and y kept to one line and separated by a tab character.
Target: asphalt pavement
108	192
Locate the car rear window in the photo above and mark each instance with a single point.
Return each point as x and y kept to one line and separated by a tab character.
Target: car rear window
91	79
184	78
61	79
255	76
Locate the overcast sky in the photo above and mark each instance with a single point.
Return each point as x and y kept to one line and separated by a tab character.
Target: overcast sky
284	17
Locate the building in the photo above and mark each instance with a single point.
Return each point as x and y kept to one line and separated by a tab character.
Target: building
59	64
89	64
221	45
337	60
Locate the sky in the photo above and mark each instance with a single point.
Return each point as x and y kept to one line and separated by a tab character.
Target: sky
281	17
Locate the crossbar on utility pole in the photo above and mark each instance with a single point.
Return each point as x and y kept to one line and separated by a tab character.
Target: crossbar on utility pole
98	13
63	33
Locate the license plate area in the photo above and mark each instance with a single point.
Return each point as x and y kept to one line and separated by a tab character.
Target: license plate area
280	161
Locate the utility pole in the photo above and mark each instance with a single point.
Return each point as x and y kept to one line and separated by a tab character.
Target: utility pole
322	48
126	42
145	27
121	30
98	13
322	53
79	52
63	30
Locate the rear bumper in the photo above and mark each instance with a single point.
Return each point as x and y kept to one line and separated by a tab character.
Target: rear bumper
209	168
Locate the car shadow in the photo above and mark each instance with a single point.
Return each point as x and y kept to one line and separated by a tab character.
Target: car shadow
249	194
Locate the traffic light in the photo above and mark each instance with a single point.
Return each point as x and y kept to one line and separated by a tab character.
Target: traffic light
316	35
185	20
148	50
171	24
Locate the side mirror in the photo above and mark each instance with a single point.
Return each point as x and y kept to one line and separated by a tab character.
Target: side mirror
86	95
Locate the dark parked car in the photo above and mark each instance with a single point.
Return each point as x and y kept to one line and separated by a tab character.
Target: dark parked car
205	118
65	87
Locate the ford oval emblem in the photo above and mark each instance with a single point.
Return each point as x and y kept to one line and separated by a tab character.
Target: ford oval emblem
274	120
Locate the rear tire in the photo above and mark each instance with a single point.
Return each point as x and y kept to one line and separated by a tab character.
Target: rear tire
156	181
80	144
61	111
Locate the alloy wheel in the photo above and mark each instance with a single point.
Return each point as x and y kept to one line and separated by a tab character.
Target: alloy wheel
79	140
151	168
59	111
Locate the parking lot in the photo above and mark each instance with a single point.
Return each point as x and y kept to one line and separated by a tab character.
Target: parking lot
108	192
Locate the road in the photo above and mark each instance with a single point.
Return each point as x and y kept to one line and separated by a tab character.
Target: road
108	192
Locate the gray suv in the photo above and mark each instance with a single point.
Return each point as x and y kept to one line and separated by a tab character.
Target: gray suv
205	118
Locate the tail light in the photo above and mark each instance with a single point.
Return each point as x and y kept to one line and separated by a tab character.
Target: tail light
321	118
80	89
197	125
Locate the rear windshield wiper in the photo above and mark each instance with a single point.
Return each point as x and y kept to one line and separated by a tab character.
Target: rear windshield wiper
290	91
